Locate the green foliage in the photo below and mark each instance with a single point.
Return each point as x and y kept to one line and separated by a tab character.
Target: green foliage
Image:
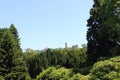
83	70
12	66
61	73
78	76
76	58
38	61
103	33
1	78
7	46
103	37
14	31
59	57
45	74
106	70
17	76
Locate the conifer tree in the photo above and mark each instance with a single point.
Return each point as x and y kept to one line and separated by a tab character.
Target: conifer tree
12	66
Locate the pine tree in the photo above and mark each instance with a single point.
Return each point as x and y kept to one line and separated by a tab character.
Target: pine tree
13	30
12	66
103	33
16	36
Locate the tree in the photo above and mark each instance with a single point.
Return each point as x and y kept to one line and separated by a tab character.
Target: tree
36	61
106	70
6	46
12	65
55	73
14	30
76	58
103	33
60	73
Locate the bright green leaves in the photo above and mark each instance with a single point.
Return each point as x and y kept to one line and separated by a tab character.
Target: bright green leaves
106	70
54	73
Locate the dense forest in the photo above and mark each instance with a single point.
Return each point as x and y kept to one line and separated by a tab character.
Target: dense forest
99	59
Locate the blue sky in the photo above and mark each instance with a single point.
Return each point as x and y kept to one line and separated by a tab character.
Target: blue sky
47	23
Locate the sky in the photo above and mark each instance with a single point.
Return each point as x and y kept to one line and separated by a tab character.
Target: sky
47	23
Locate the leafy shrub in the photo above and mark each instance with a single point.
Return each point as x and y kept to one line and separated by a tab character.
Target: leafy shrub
61	73
106	70
45	74
78	76
53	73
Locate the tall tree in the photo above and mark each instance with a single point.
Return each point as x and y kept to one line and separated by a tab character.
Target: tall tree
12	66
103	33
14	30
15	33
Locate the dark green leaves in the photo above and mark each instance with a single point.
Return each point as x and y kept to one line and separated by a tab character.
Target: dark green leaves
103	33
12	66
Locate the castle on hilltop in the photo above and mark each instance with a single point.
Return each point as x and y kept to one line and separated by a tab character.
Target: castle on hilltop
73	46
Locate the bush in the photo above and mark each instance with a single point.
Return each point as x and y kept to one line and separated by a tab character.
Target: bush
53	73
78	76
106	70
45	74
61	73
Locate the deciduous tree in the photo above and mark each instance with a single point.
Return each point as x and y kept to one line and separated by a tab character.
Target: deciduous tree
103	33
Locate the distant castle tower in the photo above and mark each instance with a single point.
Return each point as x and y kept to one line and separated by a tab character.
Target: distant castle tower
66	45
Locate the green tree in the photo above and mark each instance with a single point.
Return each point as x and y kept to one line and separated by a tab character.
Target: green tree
14	31
36	61
39	61
12	65
60	73
55	73
106	70
59	57
103	33
16	36
30	56
76	58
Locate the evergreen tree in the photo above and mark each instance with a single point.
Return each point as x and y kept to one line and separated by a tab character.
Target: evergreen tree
104	29
16	36
12	66
13	30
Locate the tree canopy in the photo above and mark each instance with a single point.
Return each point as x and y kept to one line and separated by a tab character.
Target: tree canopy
98	60
12	66
103	33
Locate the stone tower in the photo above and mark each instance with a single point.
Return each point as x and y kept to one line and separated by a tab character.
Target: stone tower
66	45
